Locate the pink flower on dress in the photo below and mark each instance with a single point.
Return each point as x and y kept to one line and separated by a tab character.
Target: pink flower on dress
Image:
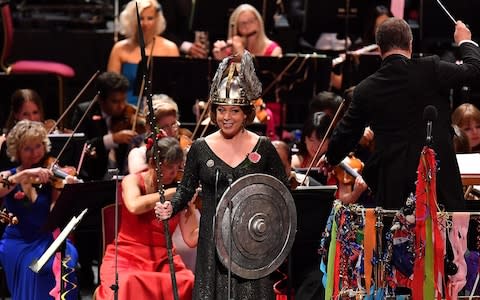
96	117
19	195
254	157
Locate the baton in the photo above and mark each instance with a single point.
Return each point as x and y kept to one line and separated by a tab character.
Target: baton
447	12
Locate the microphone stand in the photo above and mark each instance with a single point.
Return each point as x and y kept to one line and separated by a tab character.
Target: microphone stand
115	286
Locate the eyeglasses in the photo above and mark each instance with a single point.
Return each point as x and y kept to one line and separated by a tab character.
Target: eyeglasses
247	22
173	126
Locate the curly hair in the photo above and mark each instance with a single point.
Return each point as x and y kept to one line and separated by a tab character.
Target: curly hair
23	132
163	106
128	17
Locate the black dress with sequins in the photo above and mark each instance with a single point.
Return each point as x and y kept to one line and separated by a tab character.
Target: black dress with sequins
204	167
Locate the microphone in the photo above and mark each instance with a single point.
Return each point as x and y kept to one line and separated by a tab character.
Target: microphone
430	114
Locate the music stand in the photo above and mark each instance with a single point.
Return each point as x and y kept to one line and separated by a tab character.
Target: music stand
76	197
313	208
71	154
60	242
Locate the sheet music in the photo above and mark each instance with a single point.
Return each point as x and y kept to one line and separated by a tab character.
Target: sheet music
469	163
37	265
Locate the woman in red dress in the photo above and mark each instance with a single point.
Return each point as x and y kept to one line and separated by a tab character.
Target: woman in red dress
143	269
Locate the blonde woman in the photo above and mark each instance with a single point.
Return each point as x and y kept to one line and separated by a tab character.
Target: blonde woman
125	54
246	31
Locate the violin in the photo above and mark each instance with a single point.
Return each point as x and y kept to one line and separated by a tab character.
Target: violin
348	169
129	120
59	173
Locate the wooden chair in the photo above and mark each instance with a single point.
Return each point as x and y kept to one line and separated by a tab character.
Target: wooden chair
30	67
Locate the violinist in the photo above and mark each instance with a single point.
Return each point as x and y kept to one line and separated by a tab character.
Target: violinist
166	115
29	195
142	252
25	104
108	143
314	130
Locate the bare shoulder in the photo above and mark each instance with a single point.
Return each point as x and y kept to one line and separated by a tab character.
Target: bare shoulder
130	179
166	47
252	138
213	138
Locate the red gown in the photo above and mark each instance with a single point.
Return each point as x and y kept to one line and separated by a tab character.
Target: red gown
143	269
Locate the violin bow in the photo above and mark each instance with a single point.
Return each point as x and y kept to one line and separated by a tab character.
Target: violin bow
329	129
95	99
74	101
156	150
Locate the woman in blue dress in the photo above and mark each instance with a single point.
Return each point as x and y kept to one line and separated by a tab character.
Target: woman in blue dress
28	194
125	54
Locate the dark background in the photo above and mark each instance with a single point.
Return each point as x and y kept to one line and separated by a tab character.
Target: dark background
86	46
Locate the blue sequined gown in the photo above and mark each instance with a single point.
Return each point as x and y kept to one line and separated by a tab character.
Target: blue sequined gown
25	242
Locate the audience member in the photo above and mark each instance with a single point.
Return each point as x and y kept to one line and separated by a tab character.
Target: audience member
125	54
246	31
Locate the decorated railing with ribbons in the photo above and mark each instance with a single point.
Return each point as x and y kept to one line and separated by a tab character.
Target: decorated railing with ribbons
369	253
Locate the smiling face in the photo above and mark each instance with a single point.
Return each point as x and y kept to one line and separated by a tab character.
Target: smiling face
31	152
230	119
29	111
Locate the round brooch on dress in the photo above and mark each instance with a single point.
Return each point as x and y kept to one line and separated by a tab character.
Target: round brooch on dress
210	163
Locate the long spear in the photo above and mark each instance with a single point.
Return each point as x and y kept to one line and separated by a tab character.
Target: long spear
156	152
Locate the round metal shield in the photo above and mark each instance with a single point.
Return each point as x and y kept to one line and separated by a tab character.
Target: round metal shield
261	228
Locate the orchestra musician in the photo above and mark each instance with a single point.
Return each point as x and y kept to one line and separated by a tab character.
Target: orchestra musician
108	148
392	101
143	265
25	104
295	179
314	131
29	194
166	115
125	54
467	117
246	31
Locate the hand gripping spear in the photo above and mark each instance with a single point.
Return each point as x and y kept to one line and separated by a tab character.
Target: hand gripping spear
156	152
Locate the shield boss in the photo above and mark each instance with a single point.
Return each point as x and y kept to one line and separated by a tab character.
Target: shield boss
263	224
